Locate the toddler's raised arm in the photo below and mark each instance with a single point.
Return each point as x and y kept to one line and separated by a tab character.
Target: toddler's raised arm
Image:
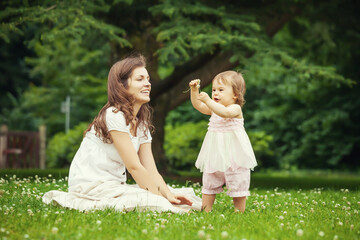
194	94
231	111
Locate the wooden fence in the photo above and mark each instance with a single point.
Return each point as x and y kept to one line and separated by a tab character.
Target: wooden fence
22	149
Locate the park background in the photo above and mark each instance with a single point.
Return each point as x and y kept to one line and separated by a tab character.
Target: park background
300	60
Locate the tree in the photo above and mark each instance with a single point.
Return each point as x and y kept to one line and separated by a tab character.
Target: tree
182	40
70	55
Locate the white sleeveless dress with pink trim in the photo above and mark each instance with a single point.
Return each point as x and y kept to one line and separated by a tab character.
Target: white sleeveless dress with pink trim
226	145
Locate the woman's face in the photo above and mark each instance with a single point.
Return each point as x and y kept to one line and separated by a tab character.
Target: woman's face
139	85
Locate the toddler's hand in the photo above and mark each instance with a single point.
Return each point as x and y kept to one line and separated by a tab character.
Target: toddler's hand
203	96
194	83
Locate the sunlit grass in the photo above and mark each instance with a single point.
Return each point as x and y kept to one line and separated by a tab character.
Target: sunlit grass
270	214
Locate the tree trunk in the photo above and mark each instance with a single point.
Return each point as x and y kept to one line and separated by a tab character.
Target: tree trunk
174	97
167	94
160	107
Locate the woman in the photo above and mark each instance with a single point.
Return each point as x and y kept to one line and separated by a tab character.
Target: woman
119	138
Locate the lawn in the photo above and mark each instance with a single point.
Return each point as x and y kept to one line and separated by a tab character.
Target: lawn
277	213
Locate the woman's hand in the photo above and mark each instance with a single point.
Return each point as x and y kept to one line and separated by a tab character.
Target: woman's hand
179	200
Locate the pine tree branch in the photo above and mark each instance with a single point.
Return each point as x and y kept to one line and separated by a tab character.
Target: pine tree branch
205	73
276	24
50	8
162	86
206	67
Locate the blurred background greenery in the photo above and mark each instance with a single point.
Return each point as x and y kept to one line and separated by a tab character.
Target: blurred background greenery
300	60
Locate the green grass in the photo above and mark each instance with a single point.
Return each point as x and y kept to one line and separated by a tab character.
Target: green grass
271	214
304	179
29	172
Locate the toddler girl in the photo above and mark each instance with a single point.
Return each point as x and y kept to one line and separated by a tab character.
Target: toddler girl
226	155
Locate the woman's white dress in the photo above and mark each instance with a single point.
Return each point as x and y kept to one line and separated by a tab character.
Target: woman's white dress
97	177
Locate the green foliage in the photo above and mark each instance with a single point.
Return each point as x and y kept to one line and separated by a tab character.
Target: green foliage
185	113
261	143
188	29
14	73
63	20
20	117
300	110
300	75
183	142
62	147
71	47
64	76
307	108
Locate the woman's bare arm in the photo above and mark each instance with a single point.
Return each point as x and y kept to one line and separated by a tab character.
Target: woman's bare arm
141	175
147	160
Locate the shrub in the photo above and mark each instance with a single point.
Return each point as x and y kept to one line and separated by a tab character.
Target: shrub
261	144
62	147
183	143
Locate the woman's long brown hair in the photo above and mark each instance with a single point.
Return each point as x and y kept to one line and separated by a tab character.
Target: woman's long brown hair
119	97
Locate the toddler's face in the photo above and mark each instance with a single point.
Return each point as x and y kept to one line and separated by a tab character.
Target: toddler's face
223	93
